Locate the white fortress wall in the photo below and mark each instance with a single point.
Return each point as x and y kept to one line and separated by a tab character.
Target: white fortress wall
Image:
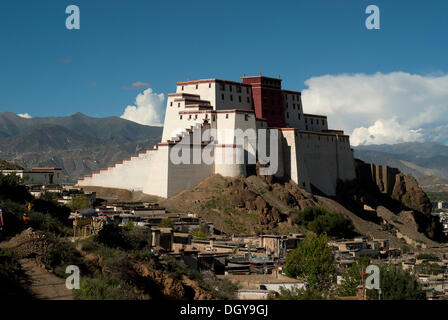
186	176
322	156
129	174
157	183
293	160
346	160
227	161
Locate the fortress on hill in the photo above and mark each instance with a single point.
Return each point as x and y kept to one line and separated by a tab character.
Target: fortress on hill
308	153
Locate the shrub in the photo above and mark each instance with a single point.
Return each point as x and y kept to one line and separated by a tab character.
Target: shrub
322	221
12	278
59	255
427	256
77	203
12	187
166	223
104	288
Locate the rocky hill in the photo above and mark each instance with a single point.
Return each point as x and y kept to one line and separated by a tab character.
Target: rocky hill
258	204
78	144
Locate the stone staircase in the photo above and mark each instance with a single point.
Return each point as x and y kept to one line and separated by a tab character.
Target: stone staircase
132	173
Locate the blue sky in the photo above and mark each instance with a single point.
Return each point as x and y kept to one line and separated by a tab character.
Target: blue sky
161	42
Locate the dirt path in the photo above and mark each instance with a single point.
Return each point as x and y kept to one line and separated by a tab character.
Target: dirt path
45	285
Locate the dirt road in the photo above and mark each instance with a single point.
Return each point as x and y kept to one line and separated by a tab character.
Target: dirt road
45	285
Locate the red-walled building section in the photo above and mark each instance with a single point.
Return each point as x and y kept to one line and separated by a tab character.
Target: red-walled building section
267	98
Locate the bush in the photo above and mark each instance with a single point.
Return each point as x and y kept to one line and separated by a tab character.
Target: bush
166	223
77	203
104	288
12	278
45	222
322	221
55	210
128	239
12	187
59	255
429	268
427	256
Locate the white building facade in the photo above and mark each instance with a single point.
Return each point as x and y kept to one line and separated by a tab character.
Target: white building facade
216	127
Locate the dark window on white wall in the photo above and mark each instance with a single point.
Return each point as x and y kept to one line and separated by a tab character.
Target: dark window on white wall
227	116
171	103
246	117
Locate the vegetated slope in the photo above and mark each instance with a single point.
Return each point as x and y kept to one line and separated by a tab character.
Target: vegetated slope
78	144
261	205
115	264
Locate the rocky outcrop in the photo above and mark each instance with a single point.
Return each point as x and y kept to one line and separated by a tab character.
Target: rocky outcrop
172	288
382	185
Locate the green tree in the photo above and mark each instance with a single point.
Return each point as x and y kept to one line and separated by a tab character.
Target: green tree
321	221
198	234
166	223
398	284
77	203
50	197
353	277
312	261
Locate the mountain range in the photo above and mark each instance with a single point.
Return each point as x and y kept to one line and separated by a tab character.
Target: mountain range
78	144
426	161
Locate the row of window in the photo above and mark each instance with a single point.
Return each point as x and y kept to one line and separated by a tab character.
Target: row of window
317	121
344	139
287	115
294	97
222	87
231	98
246	117
293	106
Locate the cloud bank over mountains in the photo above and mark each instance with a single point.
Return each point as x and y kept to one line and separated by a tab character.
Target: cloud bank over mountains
24	115
382	108
149	108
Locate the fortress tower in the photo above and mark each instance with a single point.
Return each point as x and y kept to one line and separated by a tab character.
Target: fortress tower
308	153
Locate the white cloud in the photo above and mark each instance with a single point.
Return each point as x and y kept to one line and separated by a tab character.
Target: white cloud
137	86
148	109
387	131
25	115
382	108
